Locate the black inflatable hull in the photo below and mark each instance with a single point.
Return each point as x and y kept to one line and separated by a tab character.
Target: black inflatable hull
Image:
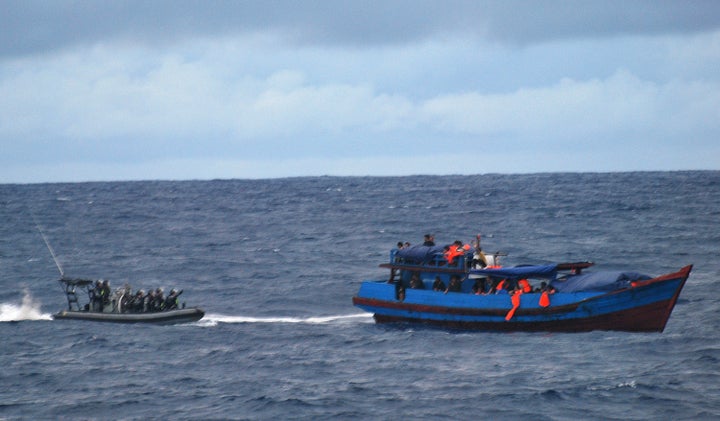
185	315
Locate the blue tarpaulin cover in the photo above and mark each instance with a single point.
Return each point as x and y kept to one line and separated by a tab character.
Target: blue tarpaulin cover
593	281
597	281
419	253
519	272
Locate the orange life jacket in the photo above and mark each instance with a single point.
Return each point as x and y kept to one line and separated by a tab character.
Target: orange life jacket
454	252
515	300
524	285
544	299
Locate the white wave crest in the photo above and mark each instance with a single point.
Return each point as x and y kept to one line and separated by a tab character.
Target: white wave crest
214	319
27	310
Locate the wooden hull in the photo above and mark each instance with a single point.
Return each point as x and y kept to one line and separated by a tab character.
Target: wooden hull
645	307
186	315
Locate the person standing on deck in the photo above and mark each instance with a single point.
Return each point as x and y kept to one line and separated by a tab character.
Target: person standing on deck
429	240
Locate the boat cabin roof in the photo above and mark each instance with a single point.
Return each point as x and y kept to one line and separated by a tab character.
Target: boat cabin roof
76	282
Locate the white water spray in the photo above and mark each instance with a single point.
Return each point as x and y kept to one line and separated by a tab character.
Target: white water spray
27	310
214	319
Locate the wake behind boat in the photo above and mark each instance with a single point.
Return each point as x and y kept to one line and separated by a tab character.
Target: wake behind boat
122	306
464	289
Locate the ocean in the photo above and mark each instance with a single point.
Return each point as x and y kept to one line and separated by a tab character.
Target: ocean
275	263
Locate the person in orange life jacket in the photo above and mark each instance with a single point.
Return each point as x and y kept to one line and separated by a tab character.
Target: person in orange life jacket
545	291
524	286
515	300
454	250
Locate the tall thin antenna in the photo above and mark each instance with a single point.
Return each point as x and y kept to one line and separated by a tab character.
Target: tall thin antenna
47	243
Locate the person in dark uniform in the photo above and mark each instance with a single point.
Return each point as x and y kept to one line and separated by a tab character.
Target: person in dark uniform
159	300
105	294
171	302
96	297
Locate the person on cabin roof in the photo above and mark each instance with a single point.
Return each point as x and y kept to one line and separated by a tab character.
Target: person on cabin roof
439	285
400	245
454	250
429	240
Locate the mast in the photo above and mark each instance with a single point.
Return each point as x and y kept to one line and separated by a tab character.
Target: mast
52	252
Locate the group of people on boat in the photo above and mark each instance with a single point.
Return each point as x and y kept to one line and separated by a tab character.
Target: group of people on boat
153	301
124	301
457	249
483	285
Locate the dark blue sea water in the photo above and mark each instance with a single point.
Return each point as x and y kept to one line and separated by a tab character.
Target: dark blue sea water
275	263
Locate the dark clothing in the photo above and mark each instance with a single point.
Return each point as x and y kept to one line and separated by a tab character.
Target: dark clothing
479	286
106	294
416	283
455	285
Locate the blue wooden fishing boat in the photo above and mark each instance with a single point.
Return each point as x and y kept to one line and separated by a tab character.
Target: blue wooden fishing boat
552	297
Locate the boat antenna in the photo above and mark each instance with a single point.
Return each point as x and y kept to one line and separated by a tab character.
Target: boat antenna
52	252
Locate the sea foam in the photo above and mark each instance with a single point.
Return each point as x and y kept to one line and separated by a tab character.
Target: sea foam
27	310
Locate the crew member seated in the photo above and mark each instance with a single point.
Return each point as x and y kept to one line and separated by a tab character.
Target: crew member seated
455	284
479	286
524	286
415	282
171	302
500	287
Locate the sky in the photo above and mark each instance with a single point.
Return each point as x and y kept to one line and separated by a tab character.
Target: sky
176	90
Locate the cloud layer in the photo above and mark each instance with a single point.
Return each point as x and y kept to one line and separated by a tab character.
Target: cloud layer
136	90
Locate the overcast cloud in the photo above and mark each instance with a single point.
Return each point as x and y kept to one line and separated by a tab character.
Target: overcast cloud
121	90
